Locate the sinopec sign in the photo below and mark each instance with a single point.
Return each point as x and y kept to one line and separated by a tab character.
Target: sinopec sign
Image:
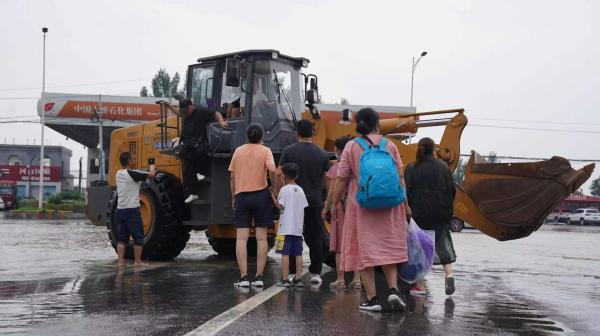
19	173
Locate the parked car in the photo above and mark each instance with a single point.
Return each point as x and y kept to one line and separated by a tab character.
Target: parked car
584	216
559	216
2	206
457	225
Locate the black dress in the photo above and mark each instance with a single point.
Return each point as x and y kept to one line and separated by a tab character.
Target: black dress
430	191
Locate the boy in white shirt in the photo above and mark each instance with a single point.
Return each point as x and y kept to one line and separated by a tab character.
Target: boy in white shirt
291	201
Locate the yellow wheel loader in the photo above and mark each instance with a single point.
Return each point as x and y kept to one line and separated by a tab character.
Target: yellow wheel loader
503	200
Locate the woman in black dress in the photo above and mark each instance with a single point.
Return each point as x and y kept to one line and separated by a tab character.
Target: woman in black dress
430	192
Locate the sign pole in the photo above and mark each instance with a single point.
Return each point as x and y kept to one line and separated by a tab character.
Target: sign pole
42	161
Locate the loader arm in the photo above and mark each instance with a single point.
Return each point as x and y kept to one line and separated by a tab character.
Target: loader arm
504	200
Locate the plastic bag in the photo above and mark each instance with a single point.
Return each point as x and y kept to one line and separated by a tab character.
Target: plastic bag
420	254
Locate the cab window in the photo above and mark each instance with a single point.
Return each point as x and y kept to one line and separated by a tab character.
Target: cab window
202	86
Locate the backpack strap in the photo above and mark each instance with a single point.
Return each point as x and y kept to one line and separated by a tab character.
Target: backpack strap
362	143
383	143
366	143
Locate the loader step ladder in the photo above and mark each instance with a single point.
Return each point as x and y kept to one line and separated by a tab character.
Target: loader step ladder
165	146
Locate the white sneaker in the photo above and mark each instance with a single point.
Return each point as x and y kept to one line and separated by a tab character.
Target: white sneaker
191	198
200	177
315	279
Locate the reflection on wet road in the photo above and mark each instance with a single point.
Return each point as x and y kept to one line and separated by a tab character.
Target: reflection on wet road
61	278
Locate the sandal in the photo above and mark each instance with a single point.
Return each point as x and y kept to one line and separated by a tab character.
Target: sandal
356	284
341	284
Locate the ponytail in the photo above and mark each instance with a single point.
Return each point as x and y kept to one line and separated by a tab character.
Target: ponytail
367	121
362	128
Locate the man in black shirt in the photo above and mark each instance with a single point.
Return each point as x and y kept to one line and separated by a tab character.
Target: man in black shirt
313	163
194	139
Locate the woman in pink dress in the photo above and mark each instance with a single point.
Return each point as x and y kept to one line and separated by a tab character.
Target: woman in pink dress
371	237
337	226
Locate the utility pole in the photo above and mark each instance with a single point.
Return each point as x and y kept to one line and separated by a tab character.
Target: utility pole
42	161
100	139
412	77
80	158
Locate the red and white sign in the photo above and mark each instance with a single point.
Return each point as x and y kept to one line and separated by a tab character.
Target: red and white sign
582	198
83	106
23	173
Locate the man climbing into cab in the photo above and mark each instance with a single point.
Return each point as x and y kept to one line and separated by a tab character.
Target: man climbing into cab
194	142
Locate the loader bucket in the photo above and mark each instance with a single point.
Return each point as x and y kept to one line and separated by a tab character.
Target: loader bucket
511	200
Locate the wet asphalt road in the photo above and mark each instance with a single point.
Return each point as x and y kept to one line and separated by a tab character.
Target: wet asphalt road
60	278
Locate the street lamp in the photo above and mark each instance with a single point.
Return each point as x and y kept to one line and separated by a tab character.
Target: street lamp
41	183
412	78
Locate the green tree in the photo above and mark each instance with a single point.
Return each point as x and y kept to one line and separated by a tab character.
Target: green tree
493	157
595	188
344	101
163	85
174	84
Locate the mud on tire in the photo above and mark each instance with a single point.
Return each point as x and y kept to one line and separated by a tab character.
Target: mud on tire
165	237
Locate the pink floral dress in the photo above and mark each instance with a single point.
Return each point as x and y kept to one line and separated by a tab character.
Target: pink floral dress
371	237
337	226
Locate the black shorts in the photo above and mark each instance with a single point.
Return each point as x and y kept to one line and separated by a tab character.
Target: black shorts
254	205
130	225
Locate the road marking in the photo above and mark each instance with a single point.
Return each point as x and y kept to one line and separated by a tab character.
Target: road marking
219	322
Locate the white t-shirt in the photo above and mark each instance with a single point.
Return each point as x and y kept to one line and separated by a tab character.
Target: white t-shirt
291	220
128	187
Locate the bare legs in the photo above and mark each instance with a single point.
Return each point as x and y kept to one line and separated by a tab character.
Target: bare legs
285	266
340	281
121	253
241	250
262	247
137	254
448	270
340	272
368	276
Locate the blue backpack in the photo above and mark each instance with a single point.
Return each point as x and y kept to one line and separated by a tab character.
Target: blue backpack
378	184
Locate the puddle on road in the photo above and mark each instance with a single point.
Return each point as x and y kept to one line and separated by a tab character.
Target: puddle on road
61	278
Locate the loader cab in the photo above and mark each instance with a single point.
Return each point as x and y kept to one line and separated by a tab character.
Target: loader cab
268	87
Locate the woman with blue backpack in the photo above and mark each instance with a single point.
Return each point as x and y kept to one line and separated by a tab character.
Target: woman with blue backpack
375	220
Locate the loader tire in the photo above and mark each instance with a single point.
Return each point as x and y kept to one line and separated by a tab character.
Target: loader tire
161	207
226	246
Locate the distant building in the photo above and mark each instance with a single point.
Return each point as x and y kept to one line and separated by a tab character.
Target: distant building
77	116
21	163
578	201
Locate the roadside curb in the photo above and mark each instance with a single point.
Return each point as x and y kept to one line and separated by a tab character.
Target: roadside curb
45	214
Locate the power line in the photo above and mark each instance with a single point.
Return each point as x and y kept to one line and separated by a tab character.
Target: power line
75	85
19	121
536	129
21	116
508	157
539	121
84	95
18	98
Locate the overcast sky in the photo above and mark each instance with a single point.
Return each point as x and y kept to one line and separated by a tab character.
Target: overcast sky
519	60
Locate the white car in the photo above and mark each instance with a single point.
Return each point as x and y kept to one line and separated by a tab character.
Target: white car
557	217
584	216
2	206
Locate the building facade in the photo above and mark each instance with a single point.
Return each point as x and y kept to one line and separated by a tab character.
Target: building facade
578	201
21	164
